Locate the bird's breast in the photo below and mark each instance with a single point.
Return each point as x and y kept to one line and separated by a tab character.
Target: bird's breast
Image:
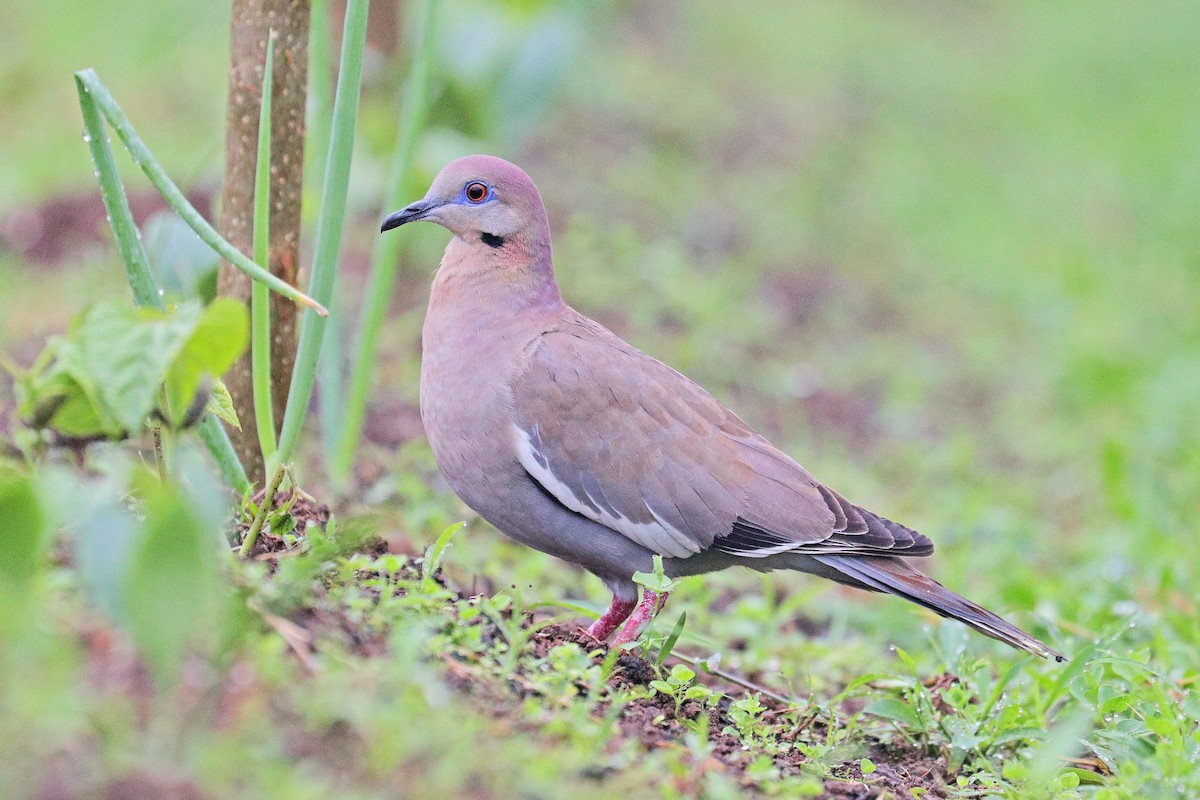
468	361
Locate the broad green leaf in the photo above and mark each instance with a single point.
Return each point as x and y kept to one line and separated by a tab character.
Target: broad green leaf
76	412
1111	700
106	376
895	710
221	404
681	673
656	581
59	393
128	352
171	595
216	340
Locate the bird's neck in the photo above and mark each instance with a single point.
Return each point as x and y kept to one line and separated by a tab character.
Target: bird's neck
515	278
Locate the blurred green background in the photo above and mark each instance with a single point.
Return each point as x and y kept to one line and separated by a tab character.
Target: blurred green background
945	254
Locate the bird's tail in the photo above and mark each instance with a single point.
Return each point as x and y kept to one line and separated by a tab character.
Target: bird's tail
894	576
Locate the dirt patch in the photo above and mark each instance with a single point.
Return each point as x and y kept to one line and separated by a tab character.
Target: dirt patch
658	722
56	231
303	511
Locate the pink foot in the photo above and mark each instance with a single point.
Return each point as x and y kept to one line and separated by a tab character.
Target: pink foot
607	622
652	603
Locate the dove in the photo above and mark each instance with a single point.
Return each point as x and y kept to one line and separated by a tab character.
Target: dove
575	443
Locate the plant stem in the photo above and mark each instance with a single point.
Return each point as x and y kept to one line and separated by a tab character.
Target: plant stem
160	460
260	298
263	509
329	224
385	256
216	439
700	663
116	205
137	268
89	84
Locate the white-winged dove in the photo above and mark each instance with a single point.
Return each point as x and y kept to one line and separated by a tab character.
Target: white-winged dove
579	445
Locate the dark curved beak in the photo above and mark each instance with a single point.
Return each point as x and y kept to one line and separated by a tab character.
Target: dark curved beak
410	213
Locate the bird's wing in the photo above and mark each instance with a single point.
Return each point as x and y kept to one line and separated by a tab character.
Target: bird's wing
626	441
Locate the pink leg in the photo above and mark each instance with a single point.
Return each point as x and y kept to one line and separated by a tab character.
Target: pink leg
652	603
607	622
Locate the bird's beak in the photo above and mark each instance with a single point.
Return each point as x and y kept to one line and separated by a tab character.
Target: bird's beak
410	213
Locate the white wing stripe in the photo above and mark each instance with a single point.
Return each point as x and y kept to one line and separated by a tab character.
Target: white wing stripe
656	536
764	552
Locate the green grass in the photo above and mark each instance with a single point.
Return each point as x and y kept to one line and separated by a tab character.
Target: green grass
946	256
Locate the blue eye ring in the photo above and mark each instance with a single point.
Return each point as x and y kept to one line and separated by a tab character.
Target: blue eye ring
476	192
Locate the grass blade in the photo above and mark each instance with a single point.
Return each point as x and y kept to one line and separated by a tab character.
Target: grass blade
89	83
260	297
669	643
385	256
329	224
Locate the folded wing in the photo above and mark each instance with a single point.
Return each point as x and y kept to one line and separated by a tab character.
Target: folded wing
626	441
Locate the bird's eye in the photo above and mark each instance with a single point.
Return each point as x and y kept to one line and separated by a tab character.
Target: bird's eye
476	192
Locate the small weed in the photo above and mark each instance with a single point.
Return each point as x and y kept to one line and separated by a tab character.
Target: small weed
679	684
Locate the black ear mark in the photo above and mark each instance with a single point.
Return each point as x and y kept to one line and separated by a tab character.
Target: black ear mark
492	240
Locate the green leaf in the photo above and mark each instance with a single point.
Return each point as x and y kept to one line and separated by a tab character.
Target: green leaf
1019	735
76	412
1111	700
221	404
60	393
127	353
171	593
1072	670
21	534
669	644
895	710
218	337
866	765
656	581
681	673
107	374
433	556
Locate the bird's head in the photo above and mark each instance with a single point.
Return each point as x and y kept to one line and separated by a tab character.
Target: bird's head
484	200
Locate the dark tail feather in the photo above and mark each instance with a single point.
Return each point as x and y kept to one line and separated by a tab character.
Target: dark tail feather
894	576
